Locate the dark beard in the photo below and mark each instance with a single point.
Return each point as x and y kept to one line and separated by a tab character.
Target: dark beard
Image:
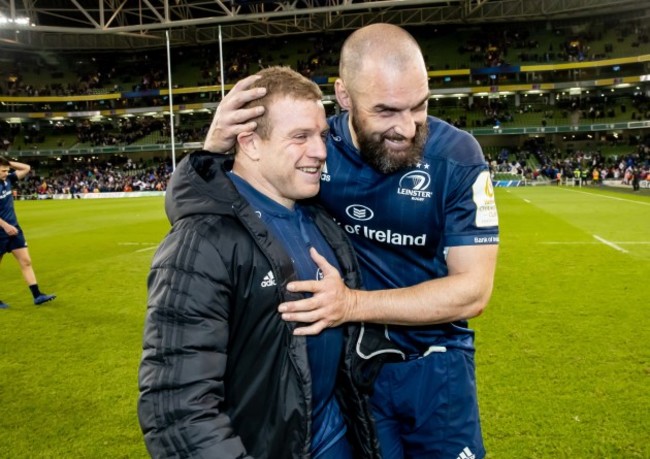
379	157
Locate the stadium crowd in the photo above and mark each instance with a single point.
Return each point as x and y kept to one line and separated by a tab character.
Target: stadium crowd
145	71
97	176
102	74
588	165
119	131
535	160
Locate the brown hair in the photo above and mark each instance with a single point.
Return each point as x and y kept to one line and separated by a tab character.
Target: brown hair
4	161
281	82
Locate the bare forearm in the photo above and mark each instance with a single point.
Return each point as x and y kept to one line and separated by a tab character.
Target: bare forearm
462	294
21	169
19	166
438	301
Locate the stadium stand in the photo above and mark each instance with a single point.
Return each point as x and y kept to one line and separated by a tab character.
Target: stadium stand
579	85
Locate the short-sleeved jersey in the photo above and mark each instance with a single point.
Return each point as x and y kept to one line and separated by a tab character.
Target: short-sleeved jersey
7	212
401	224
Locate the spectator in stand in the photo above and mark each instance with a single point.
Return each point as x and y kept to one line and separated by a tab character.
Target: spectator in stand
636	174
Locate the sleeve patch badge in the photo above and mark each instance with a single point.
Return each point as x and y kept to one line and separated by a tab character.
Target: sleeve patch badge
483	196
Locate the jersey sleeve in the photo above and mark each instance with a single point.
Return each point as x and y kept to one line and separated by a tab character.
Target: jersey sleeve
471	216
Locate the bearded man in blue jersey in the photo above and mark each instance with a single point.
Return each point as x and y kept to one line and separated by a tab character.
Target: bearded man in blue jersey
414	195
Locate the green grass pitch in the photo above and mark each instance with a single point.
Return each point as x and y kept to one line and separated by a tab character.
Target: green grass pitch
563	363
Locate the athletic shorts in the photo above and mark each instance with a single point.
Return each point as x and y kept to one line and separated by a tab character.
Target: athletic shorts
427	408
11	243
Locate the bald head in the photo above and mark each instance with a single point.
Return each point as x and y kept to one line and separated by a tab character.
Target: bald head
378	45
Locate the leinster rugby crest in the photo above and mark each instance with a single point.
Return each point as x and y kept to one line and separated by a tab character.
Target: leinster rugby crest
415	184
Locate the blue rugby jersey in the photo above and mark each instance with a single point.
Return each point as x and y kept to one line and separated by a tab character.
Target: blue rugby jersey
7	212
297	232
401	223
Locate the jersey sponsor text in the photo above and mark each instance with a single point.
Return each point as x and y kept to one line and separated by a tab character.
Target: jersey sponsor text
387	236
486	239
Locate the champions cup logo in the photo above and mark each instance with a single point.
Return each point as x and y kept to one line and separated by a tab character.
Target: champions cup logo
483	197
489	190
359	212
415	184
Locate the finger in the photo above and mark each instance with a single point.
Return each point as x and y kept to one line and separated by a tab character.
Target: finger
310	330
240	98
322	263
306	304
303	286
242	93
245	83
308	317
248	127
245	115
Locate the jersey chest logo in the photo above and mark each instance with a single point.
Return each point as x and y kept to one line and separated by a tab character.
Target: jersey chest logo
415	184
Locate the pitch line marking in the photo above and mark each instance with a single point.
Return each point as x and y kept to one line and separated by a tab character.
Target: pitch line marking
147	249
611	244
527	201
609	197
594	243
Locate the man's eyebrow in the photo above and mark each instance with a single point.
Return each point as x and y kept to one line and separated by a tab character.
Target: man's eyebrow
305	130
380	107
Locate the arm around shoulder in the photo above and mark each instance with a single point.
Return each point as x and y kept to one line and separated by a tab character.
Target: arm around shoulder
461	295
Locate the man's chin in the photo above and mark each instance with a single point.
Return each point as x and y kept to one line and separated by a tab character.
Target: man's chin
403	158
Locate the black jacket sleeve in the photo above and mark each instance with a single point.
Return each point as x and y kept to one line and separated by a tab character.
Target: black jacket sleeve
181	377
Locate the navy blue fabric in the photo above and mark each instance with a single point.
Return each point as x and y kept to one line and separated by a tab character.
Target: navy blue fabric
7	212
10	243
401	224
427	408
339	450
297	232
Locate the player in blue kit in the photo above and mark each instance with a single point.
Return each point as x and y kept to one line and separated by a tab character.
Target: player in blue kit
415	196
12	238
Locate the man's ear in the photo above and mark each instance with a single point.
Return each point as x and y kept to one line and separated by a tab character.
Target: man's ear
248	144
342	95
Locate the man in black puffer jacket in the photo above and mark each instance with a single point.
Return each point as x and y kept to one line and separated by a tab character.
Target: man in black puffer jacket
222	376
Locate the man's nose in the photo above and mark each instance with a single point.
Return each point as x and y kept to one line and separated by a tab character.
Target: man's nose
406	125
318	149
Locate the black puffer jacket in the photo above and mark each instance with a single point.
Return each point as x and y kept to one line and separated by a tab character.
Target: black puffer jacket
221	375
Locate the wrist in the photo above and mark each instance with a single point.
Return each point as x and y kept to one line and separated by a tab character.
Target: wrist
353	306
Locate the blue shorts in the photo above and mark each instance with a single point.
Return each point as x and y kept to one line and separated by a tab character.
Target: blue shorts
11	243
427	408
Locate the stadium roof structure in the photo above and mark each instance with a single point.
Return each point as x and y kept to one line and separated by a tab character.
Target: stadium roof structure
135	24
